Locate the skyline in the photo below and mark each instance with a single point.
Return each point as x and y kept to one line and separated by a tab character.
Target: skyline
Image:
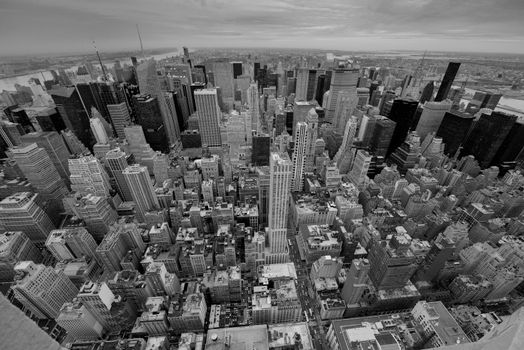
72	25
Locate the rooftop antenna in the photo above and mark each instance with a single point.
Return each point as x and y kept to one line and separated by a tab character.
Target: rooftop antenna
100	61
140	39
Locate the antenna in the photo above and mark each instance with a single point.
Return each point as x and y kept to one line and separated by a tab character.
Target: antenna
100	61
140	39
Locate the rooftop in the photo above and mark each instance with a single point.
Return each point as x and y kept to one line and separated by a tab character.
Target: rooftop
289	334
238	338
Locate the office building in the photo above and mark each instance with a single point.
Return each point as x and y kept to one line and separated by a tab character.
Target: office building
41	289
356	281
141	188
149	84
149	116
15	246
223	79
55	147
21	212
305	136
71	243
487	135
453	130
260	150
73	144
402	113
120	118
360	168
382	135
431	117
98	299
208	112
344	155
316	241
188	315
280	174
88	176
96	212
343	79
117	162
306	84
79	322
447	81
98	128
254	105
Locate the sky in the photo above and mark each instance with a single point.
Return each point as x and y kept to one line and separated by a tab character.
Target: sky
63	26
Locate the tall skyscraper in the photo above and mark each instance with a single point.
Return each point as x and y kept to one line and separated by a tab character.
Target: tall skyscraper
431	117
487	136
360	168
55	147
447	81
223	75
280	173
117	162
344	156
120	118
71	243
254	105
343	79
41	289
142	190
37	167
453	130
150	85
209	114
306	84
149	116
402	113
21	212
89	176
305	136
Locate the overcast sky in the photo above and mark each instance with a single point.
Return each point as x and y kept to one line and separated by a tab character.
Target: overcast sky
42	26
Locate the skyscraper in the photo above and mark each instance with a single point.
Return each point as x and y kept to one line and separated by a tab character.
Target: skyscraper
117	162
280	173
150	85
120	118
343	79
79	322
71	243
431	117
453	130
208	112
254	105
382	135
223	74
305	136
360	168
98	130
487	136
88	176
41	289
447	81
149	116
141	187
306	84
15	246
402	113
343	156
20	212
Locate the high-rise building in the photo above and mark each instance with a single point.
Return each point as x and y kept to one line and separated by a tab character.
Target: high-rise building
305	136
356	281
37	167
306	84
98	299
71	243
360	168
402	113
120	118
21	212
141	188
427	93
55	147
208	112
74	145
15	246
343	157
300	112
88	176
382	135
223	75
71	108
149	116
487	136
117	162
512	146
447	81
280	173
79	322
254	105
149	84
453	130
41	289
261	150
342	79
483	99
431	117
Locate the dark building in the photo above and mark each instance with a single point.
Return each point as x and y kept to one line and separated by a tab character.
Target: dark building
148	115
427	92
280	123
402	113
487	135
311	84
387	96
182	108
512	146
134	61
191	139
194	87
256	69
483	99
75	117
237	69
289	120
260	152
447	81
319	94
19	115
453	130
327	81
382	134
200	74
50	120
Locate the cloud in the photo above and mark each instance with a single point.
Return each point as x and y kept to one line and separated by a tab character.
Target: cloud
30	26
